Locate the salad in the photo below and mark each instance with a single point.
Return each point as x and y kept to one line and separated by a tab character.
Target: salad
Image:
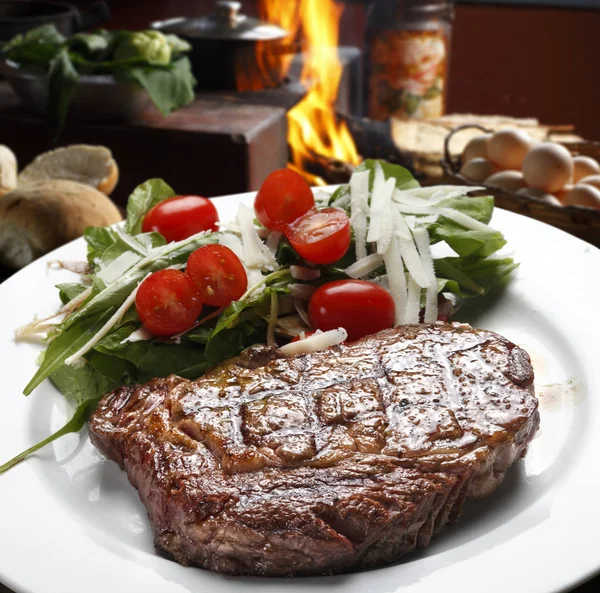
155	61
173	290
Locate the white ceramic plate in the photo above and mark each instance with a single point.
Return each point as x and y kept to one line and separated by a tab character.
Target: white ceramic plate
70	522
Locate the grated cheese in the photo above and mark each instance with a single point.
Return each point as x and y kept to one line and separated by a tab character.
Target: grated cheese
318	341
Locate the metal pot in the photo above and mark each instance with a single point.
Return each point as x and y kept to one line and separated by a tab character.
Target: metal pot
19	16
226	41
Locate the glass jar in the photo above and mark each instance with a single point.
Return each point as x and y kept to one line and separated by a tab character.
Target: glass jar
408	43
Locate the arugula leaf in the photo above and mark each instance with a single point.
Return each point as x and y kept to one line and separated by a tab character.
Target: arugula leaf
170	87
67	342
114	368
92	46
68	291
83	387
35	48
471	277
144	197
403	177
185	360
62	80
225	345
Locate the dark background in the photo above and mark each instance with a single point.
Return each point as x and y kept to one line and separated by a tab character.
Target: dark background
522	61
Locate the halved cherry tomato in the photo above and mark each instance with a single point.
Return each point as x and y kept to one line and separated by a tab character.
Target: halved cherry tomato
360	307
217	274
181	217
283	197
167	302
321	236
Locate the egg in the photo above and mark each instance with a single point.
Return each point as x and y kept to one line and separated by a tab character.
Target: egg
478	169
548	166
507	149
507	180
561	194
531	192
583	195
584	166
593	180
476	147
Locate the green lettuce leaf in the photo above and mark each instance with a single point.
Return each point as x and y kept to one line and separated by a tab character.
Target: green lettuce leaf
144	197
170	87
82	387
62	81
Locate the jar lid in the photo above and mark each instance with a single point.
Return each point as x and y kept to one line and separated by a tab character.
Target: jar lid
226	23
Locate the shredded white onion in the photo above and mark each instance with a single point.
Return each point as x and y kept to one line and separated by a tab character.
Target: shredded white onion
77	267
272	242
139	335
233	242
365	266
380	223
359	207
409	251
464	220
301	311
413	303
75	359
273	313
396	279
116	268
256	255
318	341
303	273
302	291
431	306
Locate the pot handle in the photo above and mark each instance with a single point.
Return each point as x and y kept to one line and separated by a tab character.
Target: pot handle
91	17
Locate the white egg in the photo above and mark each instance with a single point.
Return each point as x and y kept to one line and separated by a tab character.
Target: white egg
531	192
561	194
593	180
478	169
584	166
548	166
507	149
507	180
476	147
583	195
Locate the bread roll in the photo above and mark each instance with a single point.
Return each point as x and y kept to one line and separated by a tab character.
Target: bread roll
38	217
8	170
92	165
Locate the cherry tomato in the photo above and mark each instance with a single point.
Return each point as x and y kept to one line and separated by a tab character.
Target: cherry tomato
321	236
360	307
181	217
283	197
167	302
217	274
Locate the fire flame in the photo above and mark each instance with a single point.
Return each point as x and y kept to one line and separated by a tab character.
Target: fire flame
314	129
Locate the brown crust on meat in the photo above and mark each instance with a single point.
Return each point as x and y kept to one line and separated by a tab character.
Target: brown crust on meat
325	462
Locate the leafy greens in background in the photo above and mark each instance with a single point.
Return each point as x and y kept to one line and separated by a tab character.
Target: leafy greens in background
148	58
119	359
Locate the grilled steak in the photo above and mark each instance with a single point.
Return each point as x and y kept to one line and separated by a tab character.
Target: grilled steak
323	462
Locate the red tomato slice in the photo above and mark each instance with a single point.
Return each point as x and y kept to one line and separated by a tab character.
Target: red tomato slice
360	307
217	274
321	236
167	302
283	197
181	217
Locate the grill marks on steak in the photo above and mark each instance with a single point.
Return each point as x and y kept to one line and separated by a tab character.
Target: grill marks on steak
322	462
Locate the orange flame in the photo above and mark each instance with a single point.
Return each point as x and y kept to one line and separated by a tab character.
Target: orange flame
312	123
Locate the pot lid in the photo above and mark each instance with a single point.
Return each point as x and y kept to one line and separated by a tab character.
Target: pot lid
225	24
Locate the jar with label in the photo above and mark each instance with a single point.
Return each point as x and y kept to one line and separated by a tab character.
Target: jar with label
408	45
